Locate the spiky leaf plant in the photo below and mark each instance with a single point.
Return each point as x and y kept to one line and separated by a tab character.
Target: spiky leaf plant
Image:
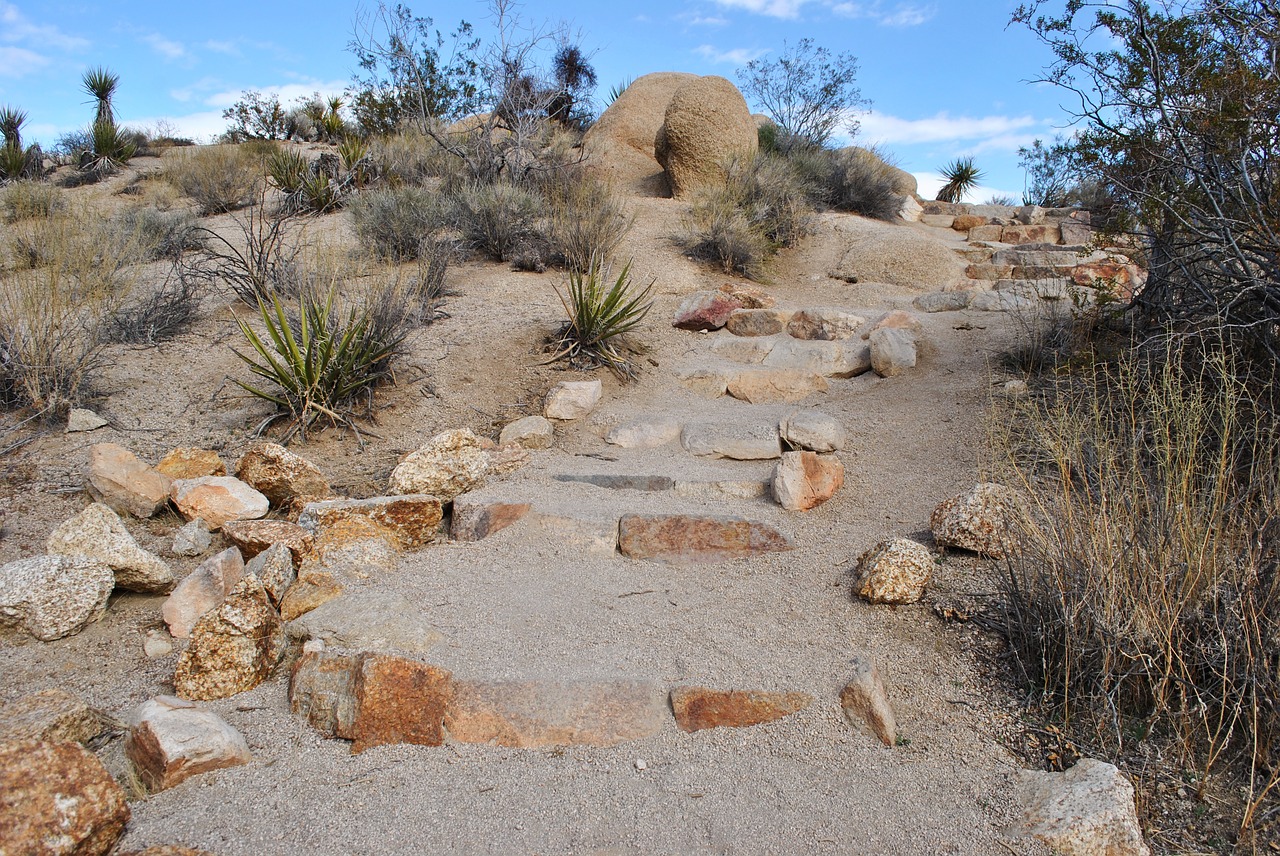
101	84
598	315
11	121
962	175
287	169
112	149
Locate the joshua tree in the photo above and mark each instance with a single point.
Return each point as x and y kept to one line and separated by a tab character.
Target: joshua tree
962	176
101	84
11	121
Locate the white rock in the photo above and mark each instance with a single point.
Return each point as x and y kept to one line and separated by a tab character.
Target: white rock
217	499
824	324
98	532
911	210
192	539
450	463
572	399
202	590
157	644
54	596
812	430
644	435
171	740
805	480
84	420
828	359
893	351
1086	811
531	432
738	442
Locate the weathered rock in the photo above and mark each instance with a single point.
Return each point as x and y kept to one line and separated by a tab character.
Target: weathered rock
57	798
312	589
978	520
376	620
234	647
938	221
621	143
54	596
322	690
192	539
531	714
897	320
829	359
399	701
706	122
572	399
276	568
866	701
408	521
717	490
118	479
998	301
812	430
170	740
988	271
824	324
185	463
1118	277
736	441
894	571
591	532
707	381
1076	233
217	499
750	296
201	591
620	481
911	210
79	420
448	464
965	222
280	475
986	233
705	310
254	536
531	432
157	643
943	301
507	458
749	350
53	715
644	435
757	322
892	351
804	480
775	385
475	518
684	540
697	708
1044	233
1086	811
98	533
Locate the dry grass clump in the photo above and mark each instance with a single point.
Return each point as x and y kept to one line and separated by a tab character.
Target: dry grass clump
394	222
588	222
1142	608
29	200
163	234
855	180
497	219
411	158
218	178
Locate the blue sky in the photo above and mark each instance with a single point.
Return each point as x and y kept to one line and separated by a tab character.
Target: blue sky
945	79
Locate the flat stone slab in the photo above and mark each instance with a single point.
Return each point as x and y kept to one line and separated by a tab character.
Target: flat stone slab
826	358
380	621
409	520
594	534
734	441
698	708
644	434
775	385
727	489
621	482
475	518
682	539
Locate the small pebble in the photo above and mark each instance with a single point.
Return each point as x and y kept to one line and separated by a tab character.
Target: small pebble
642	764
157	644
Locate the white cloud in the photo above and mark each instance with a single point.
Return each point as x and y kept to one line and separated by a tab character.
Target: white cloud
15	27
228	48
734	56
772	8
167	48
883	128
15	62
696	20
202	127
286	92
899	15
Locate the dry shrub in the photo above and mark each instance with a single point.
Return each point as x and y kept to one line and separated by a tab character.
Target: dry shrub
497	219
411	158
860	181
218	178
29	200
163	234
1143	605
588	222
159	314
393	222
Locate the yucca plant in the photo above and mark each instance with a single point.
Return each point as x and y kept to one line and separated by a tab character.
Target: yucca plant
331	123
112	149
354	153
319	193
287	169
962	176
16	161
598	315
317	364
101	84
11	121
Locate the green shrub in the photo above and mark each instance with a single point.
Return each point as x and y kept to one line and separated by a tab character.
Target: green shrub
218	178
29	200
393	222
961	175
496	219
111	147
599	315
287	169
410	158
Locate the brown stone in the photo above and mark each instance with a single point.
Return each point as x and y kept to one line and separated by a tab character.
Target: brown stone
965	222
322	690
775	386
978	520
53	715
1044	233
184	463
476	519
202	590
172	740
822	324
280	475
706	122
311	589
234	648
697	708
986	234
805	480
399	701
57	798
121	481
682	539
410	521
898	319
894	571
255	536
866	701
531	714
450	463
988	271
757	322
1121	279
507	458
217	499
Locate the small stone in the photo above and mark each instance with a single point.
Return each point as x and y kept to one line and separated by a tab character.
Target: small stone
51	597
644	435
380	621
233	648
184	463
534	714
476	518
866	701
572	399
361	559
322	690
54	715
312	589
965	222
118	479
399	701
409	521
738	442
1044	233
1014	388
812	430
892	351
157	644
681	539
641	764
98	533
938	221
192	539
531	432
254	536
507	458
201	591
978	520
894	571
942	301
276	569
705	310
757	322
988	271
80	420
448	464
805	480
57	798
697	708
217	499
170	740
280	475
824	324
1087	811
774	386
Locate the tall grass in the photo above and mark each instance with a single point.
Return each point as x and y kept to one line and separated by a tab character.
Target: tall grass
218	178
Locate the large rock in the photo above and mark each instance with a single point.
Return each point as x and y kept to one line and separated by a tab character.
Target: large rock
805	480
706	123
865	701
408	521
893	351
697	708
531	432
476	518
572	399
705	310
312	589
233	648
894	571
943	301
98	533
399	701
54	715
54	596
186	463
322	690
376	620
217	499
202	590
878	252
684	540
448	464
620	145
812	430
1086	811
978	520
57	799
170	740
280	475
775	385
277	569
824	324
533	714
254	536
118	479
